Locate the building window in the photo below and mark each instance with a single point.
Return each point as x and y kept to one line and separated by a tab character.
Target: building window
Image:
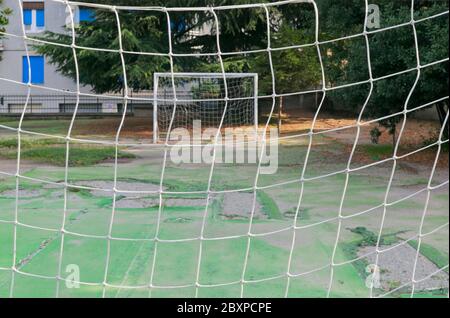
34	16
86	14
40	18
36	68
27	17
79	15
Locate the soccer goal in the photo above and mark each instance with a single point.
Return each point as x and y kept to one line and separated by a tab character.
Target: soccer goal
215	99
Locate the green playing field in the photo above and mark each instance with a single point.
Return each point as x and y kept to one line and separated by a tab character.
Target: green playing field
134	260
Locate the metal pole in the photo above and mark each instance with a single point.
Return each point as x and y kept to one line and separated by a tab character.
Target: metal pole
155	108
256	101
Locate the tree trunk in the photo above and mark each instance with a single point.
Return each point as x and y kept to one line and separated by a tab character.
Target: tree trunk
394	134
442	112
280	112
394	137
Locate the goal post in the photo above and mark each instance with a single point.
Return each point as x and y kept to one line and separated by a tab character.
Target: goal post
222	100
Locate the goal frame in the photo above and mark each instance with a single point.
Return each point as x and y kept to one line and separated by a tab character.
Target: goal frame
158	75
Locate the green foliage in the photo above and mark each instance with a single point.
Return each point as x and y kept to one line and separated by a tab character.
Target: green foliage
147	31
79	156
26	143
4	13
295	69
104	70
393	51
369	238
375	135
378	152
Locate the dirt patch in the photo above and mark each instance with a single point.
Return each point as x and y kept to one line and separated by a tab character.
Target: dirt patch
300	120
397	265
58	195
239	206
119	160
142	203
10	166
185	202
416	134
134	127
424	157
136	203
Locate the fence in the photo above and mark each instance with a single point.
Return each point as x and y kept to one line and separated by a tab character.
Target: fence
65	104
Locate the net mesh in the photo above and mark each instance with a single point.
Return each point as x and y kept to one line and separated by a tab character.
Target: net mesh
222	113
201	97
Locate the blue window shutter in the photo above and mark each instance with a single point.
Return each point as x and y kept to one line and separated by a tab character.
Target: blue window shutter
25	69
40	18
37	69
87	15
27	17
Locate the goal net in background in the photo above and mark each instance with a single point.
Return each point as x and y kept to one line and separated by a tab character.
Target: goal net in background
110	215
204	97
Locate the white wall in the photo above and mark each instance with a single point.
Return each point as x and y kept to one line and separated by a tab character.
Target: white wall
14	49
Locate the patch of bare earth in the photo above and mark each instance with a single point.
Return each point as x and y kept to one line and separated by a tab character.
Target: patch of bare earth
397	265
239	206
416	134
10	165
22	193
142	203
134	127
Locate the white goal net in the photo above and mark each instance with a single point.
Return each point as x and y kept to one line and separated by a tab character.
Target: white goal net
340	218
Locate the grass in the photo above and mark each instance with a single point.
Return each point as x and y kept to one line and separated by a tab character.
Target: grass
54	152
434	255
378	152
12	143
269	206
176	262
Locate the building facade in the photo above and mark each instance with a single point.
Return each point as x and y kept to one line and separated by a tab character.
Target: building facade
17	68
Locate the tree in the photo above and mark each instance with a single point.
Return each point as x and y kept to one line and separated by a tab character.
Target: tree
294	70
241	30
147	31
4	13
394	51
